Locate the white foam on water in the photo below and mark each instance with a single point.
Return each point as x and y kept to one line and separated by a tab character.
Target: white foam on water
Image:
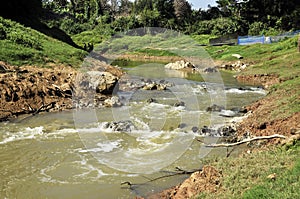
107	146
250	90
27	133
35	133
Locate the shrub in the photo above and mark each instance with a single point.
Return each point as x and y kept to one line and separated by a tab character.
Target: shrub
24	39
2	32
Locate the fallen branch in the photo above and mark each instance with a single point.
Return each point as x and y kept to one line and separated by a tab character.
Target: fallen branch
246	140
179	171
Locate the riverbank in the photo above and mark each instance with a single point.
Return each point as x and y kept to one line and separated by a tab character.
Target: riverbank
31	90
263	161
267	165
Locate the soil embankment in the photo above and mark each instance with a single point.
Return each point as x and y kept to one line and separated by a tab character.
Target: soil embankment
30	90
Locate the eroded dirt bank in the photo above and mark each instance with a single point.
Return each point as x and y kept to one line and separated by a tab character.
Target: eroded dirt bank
30	90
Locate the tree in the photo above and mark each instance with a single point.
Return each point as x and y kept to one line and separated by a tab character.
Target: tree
182	10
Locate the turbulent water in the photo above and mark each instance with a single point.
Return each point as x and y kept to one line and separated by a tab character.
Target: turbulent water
73	154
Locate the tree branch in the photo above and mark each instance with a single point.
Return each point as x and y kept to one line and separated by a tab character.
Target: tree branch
246	140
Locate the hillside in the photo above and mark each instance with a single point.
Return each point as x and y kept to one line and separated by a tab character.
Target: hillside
21	45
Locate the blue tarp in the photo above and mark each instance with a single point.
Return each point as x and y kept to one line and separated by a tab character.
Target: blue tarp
247	40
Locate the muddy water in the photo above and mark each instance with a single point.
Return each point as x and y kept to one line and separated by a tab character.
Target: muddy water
72	155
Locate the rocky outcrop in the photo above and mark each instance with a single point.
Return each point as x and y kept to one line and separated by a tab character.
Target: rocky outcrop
179	65
30	90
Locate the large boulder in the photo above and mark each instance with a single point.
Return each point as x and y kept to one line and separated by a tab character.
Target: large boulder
178	65
103	82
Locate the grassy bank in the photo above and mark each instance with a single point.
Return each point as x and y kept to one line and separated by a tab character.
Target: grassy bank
21	45
272	173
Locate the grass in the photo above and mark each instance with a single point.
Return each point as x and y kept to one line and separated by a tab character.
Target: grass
281	58
20	45
247	176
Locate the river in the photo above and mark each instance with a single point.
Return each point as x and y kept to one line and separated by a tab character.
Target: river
59	155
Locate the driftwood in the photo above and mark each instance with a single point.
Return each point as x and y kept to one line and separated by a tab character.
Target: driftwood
246	140
178	171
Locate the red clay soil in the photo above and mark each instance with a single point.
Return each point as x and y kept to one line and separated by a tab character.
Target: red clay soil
207	180
266	80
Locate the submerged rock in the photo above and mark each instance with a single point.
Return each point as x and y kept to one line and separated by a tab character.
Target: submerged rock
121	126
215	108
181	103
210	70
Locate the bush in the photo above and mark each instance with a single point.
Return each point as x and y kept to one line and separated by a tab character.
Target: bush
24	39
256	28
219	26
2	32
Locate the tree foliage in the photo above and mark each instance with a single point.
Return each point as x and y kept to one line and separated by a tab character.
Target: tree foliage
229	16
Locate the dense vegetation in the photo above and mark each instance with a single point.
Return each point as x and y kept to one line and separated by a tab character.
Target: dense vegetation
95	20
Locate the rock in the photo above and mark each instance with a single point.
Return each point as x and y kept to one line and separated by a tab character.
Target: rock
210	70
215	108
114	101
224	131
239	110
178	65
151	100
237	56
103	82
182	125
195	129
228	113
155	86
121	126
181	103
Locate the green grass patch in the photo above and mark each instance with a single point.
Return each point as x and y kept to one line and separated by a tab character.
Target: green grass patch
246	176
154	52
203	39
279	58
21	45
286	184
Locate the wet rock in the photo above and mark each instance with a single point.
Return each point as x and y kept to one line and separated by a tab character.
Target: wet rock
195	129
210	70
224	131
215	108
103	82
228	113
182	125
121	126
112	102
178	65
181	103
151	100
239	110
